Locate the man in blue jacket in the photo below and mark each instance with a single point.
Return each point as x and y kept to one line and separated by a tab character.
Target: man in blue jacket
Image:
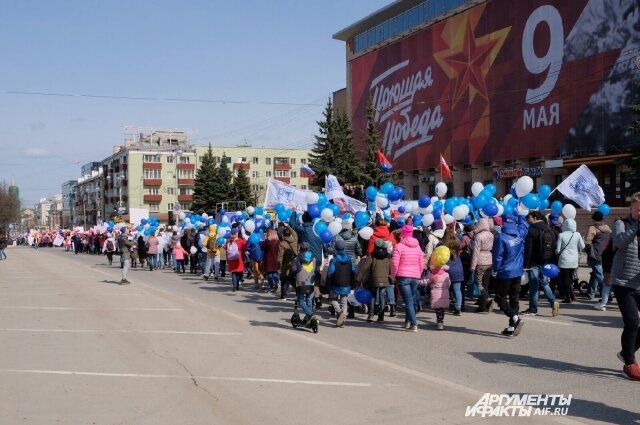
508	266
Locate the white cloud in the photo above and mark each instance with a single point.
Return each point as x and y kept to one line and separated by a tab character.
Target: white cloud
37	153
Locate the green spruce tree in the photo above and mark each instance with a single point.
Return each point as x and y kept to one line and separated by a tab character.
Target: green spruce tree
372	175
241	188
322	156
203	193
222	183
347	168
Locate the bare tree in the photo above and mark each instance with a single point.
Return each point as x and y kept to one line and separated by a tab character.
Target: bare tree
9	208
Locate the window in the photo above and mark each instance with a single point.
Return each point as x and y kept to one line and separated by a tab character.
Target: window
186	174
153	191
303	160
228	160
170	191
281	161
267	161
282	173
185	160
154	208
186	191
150	158
267	174
170	206
292	161
242	159
294	174
254	160
303	187
152	174
415	191
185	207
255	174
169	159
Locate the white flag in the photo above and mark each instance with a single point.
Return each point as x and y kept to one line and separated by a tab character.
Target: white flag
332	188
582	188
333	191
282	193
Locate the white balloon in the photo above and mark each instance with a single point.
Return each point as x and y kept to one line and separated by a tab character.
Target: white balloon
569	211
181	215
335	227
524	186
434	199
448	219
250	210
205	216
311	198
500	210
382	202
411	206
250	226
366	233
506	198
523	212
351	298
476	188
428	220
225	219
441	189
187	220
221	231
327	215
460	212
193	250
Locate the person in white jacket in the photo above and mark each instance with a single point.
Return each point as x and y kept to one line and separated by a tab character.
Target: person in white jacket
109	247
568	248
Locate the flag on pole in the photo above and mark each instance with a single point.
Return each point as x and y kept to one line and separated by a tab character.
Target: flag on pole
582	187
383	162
306	172
445	171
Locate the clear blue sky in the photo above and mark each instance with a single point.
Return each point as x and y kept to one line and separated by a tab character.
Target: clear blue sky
253	51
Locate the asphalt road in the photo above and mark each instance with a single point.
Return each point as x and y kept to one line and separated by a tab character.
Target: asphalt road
77	348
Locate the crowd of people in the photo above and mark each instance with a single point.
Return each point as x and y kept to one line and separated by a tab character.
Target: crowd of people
439	267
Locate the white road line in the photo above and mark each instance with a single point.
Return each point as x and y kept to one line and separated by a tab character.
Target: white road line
86	308
552	322
121	331
210	378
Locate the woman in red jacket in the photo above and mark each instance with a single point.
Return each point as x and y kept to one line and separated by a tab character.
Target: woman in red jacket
235	248
271	247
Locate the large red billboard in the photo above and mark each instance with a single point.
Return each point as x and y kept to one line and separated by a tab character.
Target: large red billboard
505	80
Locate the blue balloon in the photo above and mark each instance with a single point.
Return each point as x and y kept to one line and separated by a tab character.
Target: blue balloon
513	191
508	210
387	188
544	204
481	200
334	208
279	207
417	220
393	196
386	216
220	240
400	192
255	238
326	236
490	209
424	201
371	193
222	212
437	213
361	219
322	200
401	209
319	227
282	215
143	221
363	296
556	207
400	221
267	216
491	189
531	201
313	210
449	205
512	202
544	191
550	270
604	209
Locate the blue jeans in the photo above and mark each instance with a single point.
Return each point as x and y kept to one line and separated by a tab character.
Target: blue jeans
305	300
151	261
2	254
597	277
236	278
408	287
381	297
273	278
457	291
536	280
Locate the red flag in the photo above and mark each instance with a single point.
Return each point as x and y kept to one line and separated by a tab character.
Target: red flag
445	171
383	162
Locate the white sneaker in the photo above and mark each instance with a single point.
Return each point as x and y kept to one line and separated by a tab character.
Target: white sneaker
600	306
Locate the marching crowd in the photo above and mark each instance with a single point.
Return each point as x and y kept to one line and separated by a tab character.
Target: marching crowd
439	267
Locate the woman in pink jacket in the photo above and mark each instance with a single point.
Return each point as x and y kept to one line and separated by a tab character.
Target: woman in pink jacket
407	264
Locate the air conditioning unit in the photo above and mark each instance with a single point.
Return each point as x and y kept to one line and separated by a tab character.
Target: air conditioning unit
535	159
424	179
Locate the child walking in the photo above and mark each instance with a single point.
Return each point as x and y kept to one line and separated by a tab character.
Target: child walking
340	275
304	267
179	253
439	282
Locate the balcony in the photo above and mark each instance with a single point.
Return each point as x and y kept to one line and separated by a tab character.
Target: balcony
152	182
152	199
281	167
242	165
185	198
185	182
286	180
152	166
186	166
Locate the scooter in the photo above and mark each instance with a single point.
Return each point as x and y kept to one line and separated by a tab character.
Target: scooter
297	321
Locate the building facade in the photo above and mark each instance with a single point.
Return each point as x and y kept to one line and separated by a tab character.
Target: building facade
499	88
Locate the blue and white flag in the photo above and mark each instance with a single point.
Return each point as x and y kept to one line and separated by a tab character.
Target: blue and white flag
582	187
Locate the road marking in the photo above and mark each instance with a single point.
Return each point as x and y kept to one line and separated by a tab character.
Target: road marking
122	331
86	308
553	322
209	378
21	284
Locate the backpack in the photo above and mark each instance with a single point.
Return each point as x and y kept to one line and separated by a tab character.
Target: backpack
212	245
233	253
110	246
343	275
547	245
